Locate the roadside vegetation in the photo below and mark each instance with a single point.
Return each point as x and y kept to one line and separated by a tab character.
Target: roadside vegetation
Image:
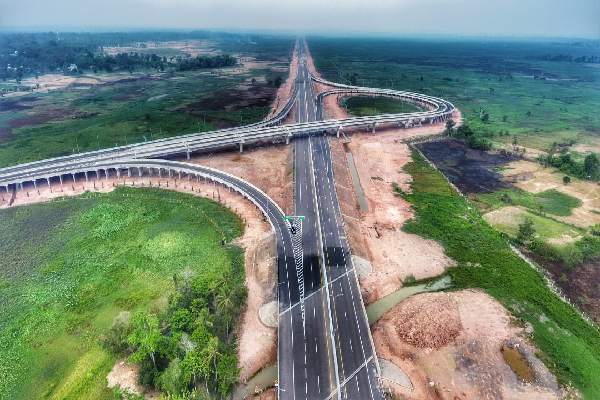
569	345
503	89
145	275
362	106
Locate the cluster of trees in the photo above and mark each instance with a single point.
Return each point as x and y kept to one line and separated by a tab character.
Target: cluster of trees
588	169
465	133
570	58
190	350
200	62
24	55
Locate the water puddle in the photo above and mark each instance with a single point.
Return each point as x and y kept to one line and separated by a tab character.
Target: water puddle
380	307
518	363
264	379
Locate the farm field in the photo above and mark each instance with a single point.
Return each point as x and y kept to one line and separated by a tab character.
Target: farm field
568	344
92	111
524	95
72	267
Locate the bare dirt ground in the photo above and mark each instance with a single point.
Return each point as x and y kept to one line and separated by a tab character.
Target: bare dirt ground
257	343
376	234
192	47
269	168
449	345
125	377
533	177
51	82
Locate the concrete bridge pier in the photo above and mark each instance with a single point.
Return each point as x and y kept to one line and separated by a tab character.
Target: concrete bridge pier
242	146
61	180
374	127
129	172
140	172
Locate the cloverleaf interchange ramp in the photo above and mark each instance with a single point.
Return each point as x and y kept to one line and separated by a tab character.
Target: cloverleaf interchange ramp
324	349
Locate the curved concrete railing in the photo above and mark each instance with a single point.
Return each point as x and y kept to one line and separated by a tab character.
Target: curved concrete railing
266	132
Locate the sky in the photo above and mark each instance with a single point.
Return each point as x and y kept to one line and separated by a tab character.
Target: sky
517	18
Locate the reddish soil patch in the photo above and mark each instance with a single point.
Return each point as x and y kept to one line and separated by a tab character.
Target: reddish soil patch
269	168
449	344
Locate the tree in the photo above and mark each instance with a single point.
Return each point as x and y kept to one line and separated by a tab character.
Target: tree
591	166
171	380
566	179
450	124
526	232
228	373
210	353
145	337
225	308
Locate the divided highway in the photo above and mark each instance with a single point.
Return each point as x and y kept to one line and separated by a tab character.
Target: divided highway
325	349
342	363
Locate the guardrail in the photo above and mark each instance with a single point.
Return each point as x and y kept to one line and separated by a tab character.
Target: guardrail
265	132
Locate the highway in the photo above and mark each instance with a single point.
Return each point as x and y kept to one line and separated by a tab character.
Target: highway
325	349
330	342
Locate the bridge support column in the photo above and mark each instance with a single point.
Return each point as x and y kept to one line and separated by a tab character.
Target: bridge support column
35	184
140	172
287	138
73	177
87	178
129	172
60	178
187	154
159	172
242	146
374	127
118	173
21	186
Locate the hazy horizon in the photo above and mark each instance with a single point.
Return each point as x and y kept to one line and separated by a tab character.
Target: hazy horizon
424	18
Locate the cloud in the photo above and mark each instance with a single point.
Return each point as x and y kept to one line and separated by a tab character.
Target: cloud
458	17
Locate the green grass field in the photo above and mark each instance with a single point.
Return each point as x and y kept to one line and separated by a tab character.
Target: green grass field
495	76
569	346
362	106
70	266
550	201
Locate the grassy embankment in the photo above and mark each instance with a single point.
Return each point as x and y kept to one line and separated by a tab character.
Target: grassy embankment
493	76
70	267
569	345
362	106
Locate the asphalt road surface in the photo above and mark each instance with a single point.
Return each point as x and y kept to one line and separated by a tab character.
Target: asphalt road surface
324	341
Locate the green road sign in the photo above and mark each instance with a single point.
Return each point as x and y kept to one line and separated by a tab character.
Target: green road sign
293	217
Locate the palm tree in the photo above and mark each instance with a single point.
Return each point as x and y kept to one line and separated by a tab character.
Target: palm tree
225	306
210	354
